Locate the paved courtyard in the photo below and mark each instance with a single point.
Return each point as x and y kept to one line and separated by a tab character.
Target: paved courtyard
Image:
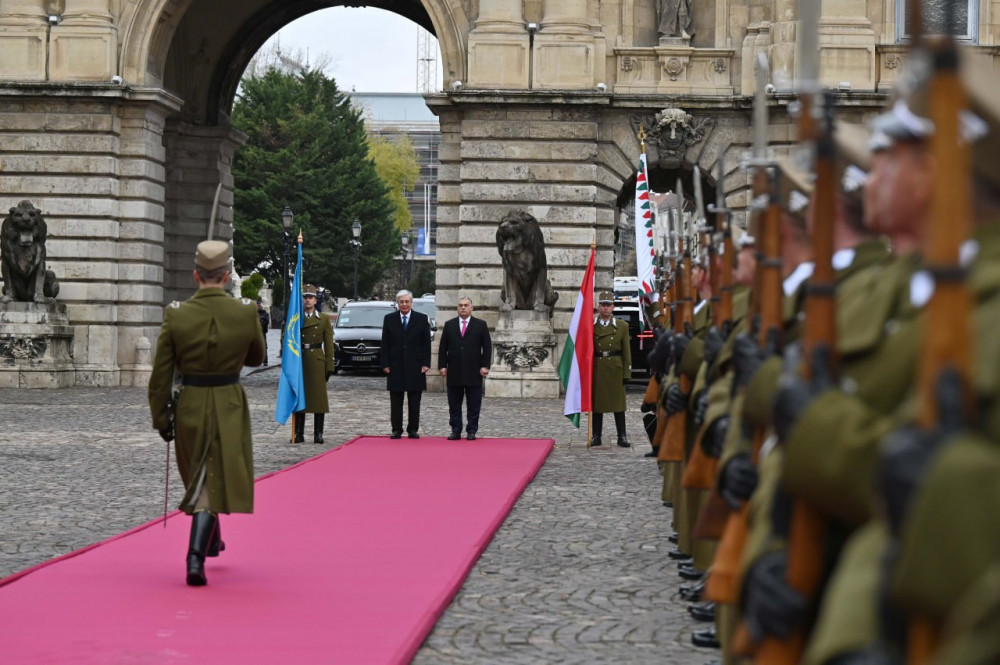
578	573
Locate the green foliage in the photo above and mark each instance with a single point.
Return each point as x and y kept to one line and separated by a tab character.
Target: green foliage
423	281
307	149
252	285
396	163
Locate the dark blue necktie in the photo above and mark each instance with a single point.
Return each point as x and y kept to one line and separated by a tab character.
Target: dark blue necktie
405	321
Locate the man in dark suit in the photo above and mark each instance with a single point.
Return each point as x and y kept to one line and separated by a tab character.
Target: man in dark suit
405	356
464	357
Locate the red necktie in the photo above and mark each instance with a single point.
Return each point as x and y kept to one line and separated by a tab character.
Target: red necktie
464	321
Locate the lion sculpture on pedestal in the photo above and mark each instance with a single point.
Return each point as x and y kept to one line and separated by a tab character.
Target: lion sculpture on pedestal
522	251
22	257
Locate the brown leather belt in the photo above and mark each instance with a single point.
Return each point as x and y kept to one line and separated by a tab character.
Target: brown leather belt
210	380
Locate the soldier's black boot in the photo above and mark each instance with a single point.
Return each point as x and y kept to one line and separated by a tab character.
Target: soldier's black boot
300	427
318	428
202	528
216	545
597	424
620	427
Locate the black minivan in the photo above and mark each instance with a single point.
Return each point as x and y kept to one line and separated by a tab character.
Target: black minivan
357	337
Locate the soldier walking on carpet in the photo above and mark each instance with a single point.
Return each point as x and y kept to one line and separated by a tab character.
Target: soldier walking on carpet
612	368
317	365
207	339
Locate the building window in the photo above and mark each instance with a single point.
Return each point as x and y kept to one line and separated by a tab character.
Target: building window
963	23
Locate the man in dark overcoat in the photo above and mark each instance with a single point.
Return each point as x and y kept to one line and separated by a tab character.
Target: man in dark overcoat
405	356
612	368
464	357
207	339
317	365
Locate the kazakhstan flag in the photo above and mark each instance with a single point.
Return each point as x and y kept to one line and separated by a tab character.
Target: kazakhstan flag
291	388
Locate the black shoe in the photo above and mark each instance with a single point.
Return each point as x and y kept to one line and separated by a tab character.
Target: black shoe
692	592
300	427
471	437
677	554
396	435
689	572
454	436
652	453
702	611
705	638
623	442
595	442
412	435
318	437
202	530
673	538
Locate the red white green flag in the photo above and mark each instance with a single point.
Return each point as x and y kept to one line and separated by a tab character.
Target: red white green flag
644	251
576	367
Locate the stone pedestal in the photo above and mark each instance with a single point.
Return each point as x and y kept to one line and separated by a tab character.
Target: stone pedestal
524	363
36	342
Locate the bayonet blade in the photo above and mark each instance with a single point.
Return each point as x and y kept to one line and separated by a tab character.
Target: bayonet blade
699	200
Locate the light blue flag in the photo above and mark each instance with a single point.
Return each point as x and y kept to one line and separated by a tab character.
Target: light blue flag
291	388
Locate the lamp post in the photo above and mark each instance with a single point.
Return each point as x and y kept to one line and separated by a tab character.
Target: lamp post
356	247
405	238
287	217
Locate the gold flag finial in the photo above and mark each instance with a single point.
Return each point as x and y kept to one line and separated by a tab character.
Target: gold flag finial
300	236
641	134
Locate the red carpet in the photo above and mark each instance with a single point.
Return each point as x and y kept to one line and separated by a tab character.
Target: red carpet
350	558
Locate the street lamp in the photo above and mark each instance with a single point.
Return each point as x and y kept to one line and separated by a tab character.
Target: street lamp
410	252
356	246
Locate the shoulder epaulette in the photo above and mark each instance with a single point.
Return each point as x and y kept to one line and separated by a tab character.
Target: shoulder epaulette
246	301
174	305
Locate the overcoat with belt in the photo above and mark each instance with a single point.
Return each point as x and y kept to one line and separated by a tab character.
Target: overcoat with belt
464	356
317	360
211	336
612	365
404	352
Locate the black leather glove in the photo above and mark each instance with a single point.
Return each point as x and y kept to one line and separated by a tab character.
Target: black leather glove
660	353
167	434
795	393
700	408
647	407
713	345
738	480
676	399
715	437
746	359
770	605
680	345
906	453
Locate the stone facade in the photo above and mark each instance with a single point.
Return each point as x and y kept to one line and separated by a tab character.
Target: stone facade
114	121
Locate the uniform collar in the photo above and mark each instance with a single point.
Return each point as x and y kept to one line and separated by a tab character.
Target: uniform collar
597	321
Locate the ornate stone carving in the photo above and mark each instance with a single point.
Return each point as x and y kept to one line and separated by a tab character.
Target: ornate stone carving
673	67
629	63
522	252
521	357
674	131
892	61
22	348
22	257
720	65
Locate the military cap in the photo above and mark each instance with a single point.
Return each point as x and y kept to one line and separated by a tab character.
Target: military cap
606	296
212	254
309	290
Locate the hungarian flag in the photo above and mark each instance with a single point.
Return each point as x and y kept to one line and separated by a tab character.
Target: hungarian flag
576	367
644	251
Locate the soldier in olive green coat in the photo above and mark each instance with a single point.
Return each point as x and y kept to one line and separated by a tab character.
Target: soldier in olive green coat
207	340
317	365
612	368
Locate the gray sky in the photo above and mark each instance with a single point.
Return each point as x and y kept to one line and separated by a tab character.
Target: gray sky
370	50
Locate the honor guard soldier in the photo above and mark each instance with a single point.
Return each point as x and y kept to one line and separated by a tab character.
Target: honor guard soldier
612	368
317	365
207	339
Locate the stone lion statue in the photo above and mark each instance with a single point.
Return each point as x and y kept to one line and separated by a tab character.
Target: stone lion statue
522	251
22	256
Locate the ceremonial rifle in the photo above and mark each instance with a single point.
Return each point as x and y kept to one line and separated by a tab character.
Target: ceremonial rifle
723	581
807	528
947	340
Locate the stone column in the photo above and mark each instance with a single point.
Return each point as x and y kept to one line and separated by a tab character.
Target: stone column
569	47
84	43
23	33
198	159
847	45
499	47
783	40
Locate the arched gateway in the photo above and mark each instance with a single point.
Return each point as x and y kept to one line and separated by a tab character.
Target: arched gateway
114	120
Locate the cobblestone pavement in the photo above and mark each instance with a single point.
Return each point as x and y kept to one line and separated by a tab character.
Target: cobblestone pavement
578	573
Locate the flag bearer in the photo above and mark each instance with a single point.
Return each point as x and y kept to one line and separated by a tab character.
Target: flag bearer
612	368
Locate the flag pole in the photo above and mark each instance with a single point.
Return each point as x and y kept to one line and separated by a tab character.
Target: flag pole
590	430
291	436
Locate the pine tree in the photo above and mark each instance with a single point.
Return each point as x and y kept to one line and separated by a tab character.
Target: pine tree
307	149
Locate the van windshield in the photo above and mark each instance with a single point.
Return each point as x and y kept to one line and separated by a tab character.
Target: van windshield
362	317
